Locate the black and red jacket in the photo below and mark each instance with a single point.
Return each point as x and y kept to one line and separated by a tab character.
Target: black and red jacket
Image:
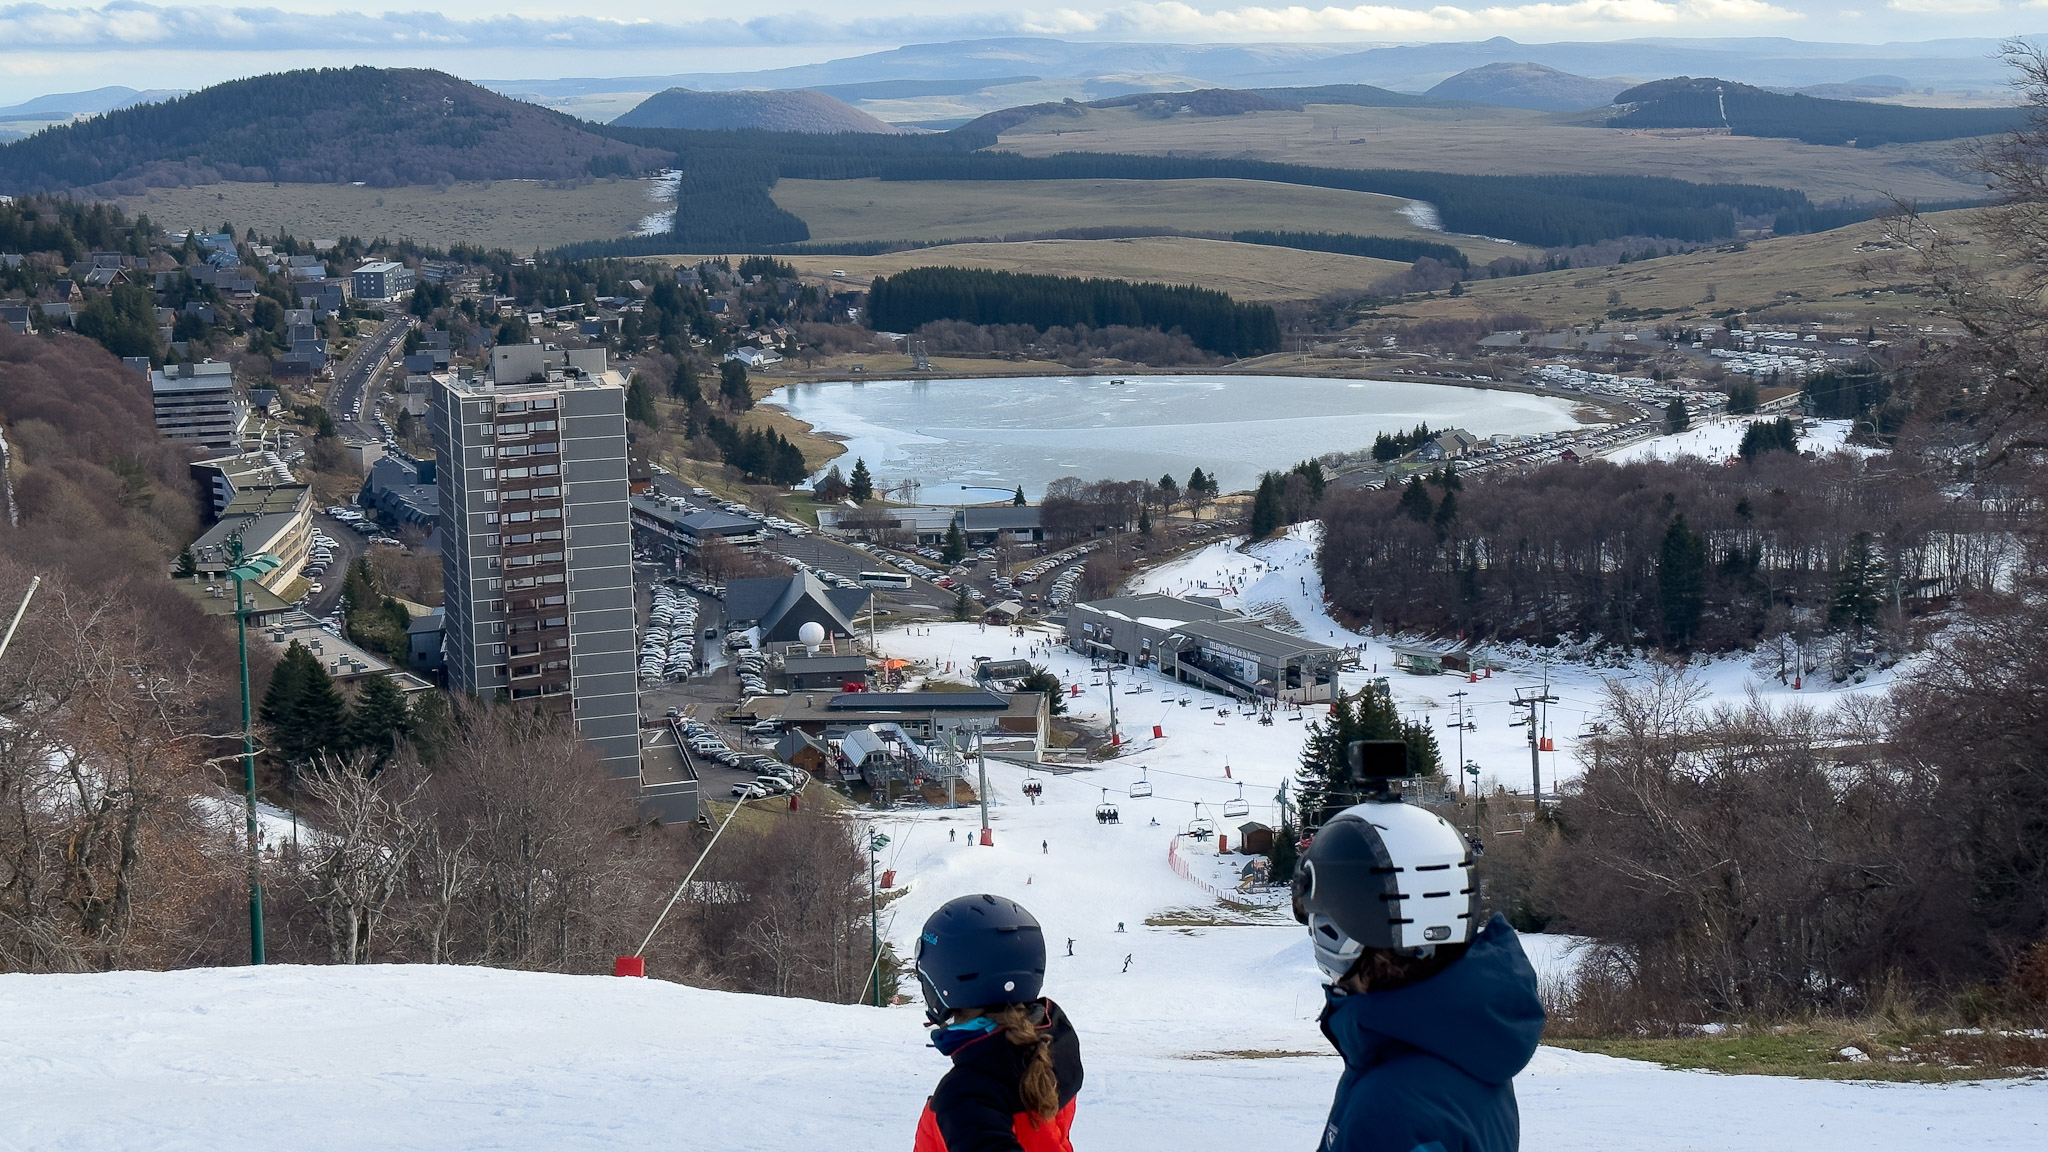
978	1107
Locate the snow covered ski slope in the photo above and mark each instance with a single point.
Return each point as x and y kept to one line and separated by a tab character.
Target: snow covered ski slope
1209	1039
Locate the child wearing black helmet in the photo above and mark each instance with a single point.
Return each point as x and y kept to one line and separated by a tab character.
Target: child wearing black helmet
1016	1061
1433	1014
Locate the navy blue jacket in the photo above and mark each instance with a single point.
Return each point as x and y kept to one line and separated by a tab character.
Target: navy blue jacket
1428	1067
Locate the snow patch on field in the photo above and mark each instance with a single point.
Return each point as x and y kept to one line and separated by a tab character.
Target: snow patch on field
1717	440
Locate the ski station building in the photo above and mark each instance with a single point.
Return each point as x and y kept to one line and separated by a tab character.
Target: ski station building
781	605
1197	641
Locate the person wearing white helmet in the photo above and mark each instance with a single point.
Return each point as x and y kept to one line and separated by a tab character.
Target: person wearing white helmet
1433	1011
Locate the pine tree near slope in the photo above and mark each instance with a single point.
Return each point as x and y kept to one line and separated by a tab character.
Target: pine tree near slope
955	549
1267	516
861	486
1681	582
1325	759
1675	418
1859	588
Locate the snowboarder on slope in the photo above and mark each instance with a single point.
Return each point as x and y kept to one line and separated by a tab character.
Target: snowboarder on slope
1433	1014
1016	1060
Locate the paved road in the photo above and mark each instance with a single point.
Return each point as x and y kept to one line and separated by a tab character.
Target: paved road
348	544
353	379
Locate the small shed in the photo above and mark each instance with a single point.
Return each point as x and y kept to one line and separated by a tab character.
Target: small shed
1003	612
1428	661
800	749
1255	839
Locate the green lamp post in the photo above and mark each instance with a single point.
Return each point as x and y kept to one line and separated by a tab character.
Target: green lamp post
250	568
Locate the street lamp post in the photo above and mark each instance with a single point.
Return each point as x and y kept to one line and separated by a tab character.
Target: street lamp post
876	842
254	567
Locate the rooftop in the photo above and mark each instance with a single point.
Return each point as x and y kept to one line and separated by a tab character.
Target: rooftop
1257	638
1156	606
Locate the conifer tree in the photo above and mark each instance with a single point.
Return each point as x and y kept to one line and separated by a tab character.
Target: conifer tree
955	548
1681	582
1325	759
1859	588
683	385
1415	501
1675	418
1018	499
1267	516
380	720
861	486
640	402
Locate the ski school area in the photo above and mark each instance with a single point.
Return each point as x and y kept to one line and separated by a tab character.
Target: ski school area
1197	1018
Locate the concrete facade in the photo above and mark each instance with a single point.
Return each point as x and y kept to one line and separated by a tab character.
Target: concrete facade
536	546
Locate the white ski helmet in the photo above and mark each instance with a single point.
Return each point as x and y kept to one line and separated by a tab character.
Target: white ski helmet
1385	875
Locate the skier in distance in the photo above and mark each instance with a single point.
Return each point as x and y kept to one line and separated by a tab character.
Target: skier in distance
1433	1013
1016	1071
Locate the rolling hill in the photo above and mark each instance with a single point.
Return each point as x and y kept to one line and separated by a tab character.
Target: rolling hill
1688	102
796	111
1526	85
383	127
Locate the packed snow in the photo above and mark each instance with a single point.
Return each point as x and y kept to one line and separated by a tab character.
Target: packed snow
1717	439
1208	1038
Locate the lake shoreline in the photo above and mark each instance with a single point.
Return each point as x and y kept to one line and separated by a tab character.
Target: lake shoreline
881	437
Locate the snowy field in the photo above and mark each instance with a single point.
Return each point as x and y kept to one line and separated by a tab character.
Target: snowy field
1717	438
1209	1038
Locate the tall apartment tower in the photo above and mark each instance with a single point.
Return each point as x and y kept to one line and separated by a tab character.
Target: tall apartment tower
536	548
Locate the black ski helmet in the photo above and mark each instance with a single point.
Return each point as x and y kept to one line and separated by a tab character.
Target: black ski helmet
1385	875
979	951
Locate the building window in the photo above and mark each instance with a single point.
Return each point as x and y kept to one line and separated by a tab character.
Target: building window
490	517
490	496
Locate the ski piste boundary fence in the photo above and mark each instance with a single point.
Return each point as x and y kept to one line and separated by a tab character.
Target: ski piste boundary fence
1179	864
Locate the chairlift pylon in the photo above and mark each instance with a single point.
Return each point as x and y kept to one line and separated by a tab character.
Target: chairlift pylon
1142	786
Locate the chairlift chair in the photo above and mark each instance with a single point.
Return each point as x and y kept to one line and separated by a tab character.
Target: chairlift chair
1239	806
1141	787
1201	827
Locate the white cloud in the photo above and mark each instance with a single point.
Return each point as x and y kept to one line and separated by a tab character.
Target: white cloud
1948	7
131	24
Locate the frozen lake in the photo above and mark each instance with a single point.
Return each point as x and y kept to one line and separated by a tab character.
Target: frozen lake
979	439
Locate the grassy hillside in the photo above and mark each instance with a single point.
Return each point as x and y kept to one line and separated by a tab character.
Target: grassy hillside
731	111
1489	141
1847	275
1246	271
522	215
839	210
382	127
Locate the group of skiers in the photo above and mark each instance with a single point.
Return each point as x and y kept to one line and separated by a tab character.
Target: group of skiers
1433	1012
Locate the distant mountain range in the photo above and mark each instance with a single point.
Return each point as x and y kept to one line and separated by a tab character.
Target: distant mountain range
369	125
33	116
923	83
798	111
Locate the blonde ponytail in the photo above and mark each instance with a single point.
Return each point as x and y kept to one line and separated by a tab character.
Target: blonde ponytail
1040	1087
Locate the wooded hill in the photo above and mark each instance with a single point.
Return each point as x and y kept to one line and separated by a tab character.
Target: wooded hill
1212	320
769	111
1705	102
383	127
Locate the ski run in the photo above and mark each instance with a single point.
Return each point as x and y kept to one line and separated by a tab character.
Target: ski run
1198	1025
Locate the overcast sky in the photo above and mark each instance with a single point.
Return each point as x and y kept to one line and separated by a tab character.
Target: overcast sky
58	48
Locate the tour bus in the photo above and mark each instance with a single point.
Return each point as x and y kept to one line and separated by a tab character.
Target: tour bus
885	580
